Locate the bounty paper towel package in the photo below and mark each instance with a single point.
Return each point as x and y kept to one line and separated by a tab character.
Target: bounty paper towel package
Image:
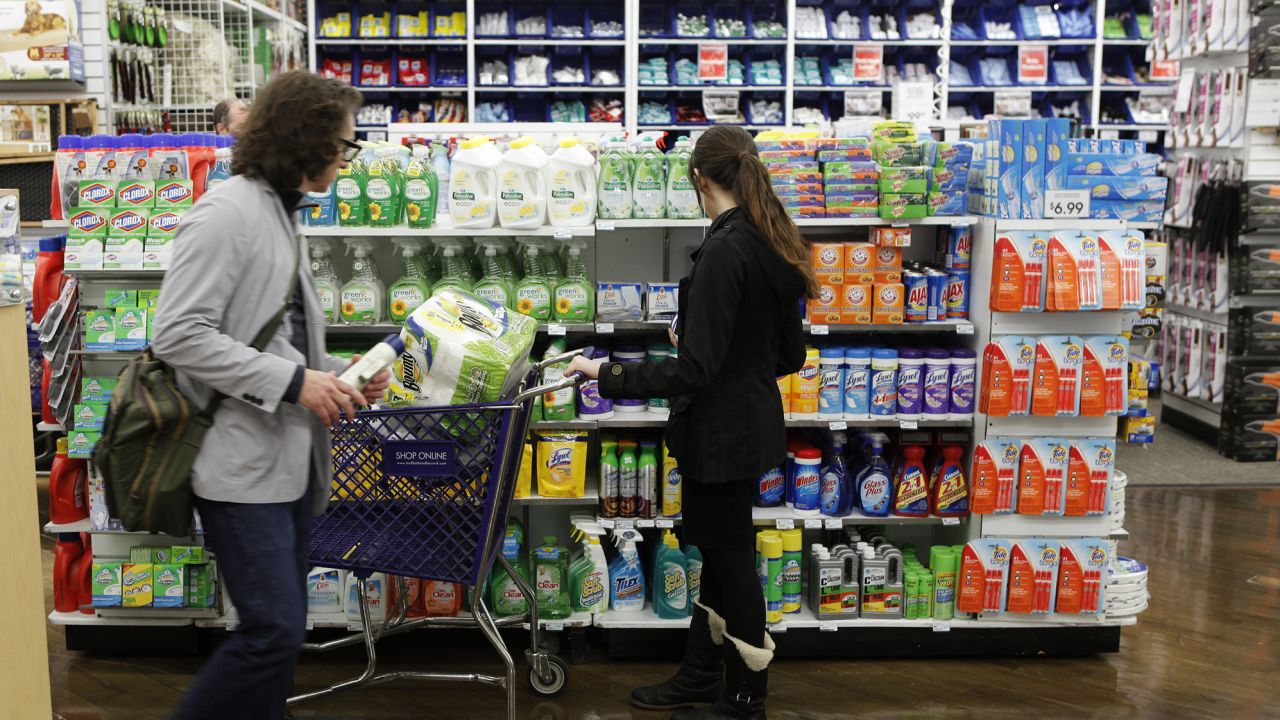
460	349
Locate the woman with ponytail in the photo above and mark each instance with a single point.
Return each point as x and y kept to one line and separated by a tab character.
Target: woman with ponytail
738	331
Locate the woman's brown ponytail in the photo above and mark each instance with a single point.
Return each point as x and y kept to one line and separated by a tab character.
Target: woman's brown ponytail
727	156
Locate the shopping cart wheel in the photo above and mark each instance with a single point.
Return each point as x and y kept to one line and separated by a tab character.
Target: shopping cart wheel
556	680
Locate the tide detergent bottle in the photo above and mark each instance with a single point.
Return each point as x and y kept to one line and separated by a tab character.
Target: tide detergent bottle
473	184
522	186
671	580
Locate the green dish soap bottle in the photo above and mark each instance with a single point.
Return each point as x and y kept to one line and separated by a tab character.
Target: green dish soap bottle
492	285
671	584
505	596
382	189
551	578
412	289
362	296
350	189
533	293
325	278
575	295
455	271
615	186
421	189
682	197
650	173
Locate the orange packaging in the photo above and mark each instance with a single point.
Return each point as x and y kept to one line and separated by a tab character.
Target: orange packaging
1070	582
859	263
1030	482
1109	268
1077	500
891	236
828	262
1044	382
886	304
804	388
1064	279
413	595
1022	582
440	598
784	389
855	304
888	264
825	309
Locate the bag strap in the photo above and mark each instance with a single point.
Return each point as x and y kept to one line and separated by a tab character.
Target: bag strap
264	335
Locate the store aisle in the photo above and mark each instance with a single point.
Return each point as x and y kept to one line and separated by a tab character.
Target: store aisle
1178	458
1209	646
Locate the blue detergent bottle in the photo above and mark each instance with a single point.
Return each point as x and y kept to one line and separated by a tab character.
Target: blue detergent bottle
626	578
875	491
834	486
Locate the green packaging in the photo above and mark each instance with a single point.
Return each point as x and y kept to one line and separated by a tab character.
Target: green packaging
201	586
148	298
136	193
188	555
105	585
115	297
903	206
174	193
421	190
100	330
350	190
131	328
161	555
944	562
97	389
80	443
90	416
96	194
129	223
140	554
909	179
89	223
170	589
165	221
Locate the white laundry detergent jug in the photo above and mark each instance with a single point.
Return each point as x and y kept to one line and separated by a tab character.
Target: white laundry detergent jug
571	188
473	184
522	186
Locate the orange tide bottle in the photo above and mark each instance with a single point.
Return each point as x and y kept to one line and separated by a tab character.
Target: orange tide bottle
68	479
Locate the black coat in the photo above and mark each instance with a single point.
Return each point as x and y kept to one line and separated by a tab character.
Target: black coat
739	329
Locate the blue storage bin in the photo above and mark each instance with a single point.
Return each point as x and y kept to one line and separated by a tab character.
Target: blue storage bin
1010	76
490	53
744	105
756	72
643	118
647	55
993	13
362	9
691	8
760	13
654	20
330	9
1077	19
605	58
601	16
483	8
527	50
566	16
880	8
1029	29
449	67
812	7
818	58
913	56
730	11
374	54
966	22
691	101
816	100
525	108
406	53
1054	103
917	7
446	9
528	11
855	8
494	107
1078	58
569	56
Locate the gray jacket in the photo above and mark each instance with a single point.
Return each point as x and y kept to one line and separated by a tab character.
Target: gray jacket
228	278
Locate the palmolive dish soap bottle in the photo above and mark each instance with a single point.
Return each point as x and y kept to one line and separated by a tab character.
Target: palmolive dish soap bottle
473	184
421	189
522	186
649	193
616	185
682	197
571	185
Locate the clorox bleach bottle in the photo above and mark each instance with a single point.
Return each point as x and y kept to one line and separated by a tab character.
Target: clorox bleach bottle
522	186
571	185
473	184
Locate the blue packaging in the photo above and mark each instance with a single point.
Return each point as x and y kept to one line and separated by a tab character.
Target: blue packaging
937	383
857	383
808	487
948	178
1057	138
910	382
958	295
771	487
831	383
947	203
323	212
915	307
1009	182
884	382
1033	151
959	247
1102	187
936	286
1131	210
1111	164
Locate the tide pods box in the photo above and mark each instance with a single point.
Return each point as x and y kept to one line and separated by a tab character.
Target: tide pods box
174	193
105	584
96	193
131	328
136	194
137	584
100	330
170	589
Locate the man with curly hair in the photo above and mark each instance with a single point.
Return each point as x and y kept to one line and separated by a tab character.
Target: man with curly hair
264	468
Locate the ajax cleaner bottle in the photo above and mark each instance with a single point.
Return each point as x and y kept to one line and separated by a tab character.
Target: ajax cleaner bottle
616	181
650	177
362	296
412	289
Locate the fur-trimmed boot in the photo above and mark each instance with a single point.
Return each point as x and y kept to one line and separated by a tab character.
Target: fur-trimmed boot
700	679
745	686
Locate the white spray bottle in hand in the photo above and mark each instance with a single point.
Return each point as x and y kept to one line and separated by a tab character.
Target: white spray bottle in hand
380	358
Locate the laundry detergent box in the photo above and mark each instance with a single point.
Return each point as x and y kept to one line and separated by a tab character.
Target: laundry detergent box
1119	187
97	389
136	194
619	302
662	300
174	193
90	416
984	568
106	588
1042	476
1033	576
100	330
170	589
1082	576
131	328
137	584
1091	464
96	194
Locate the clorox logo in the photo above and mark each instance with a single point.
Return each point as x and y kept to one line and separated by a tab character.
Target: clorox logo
135	194
173	192
87	222
166	221
1072	353
1059	455
128	221
95	194
888	295
808	372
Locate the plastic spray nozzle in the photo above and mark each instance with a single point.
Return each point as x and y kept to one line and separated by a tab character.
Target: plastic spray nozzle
360	247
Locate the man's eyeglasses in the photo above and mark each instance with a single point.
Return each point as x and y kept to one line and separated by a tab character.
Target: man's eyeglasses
350	150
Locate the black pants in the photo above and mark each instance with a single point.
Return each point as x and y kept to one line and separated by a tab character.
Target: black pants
717	519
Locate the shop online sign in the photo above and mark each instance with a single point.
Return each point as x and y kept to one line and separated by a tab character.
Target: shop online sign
419	458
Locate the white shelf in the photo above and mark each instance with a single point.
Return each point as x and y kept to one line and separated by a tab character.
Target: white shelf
954	220
1162	89
530	40
54	224
1018	42
646	619
85	525
1011	88
551	88
962	327
50	427
79	618
840	88
654	224
710	86
728	41
909	42
407	89
116	274
1049	225
885	422
585	500
1139	127
806	620
1136	42
263	11
1034	426
444	230
1015	525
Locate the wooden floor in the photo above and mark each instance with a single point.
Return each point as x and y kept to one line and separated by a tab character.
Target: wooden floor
1208	647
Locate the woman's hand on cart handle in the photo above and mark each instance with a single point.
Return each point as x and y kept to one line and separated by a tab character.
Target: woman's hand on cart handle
557	359
588	368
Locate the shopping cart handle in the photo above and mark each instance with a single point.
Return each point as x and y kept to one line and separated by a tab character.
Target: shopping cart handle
567	381
556	359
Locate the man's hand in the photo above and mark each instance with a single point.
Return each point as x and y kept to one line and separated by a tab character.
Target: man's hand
328	397
375	388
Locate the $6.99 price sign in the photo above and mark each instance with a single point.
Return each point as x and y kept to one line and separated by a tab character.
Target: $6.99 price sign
1066	203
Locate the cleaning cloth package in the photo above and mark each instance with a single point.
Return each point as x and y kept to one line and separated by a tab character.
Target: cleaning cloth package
460	349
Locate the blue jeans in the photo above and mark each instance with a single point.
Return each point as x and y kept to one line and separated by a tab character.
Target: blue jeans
262	559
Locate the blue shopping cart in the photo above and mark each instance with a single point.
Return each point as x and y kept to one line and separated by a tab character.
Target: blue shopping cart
424	493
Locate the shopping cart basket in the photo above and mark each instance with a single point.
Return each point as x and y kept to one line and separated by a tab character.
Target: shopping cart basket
424	493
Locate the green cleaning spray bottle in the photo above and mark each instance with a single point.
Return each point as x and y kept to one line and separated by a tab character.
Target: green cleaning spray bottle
589	573
533	293
455	271
492	285
413	288
421	189
325	278
362	296
575	294
350	189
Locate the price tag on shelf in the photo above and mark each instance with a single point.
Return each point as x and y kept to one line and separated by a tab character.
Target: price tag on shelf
900	224
813	523
964	329
868	62
605	225
908	424
355	627
604	328
838	425
713	61
819	330
828	627
942	627
950	521
913	100
786	523
1164	70
626	524
555	626
562	234
644	523
1066	203
556	330
778	628
664	523
833	523
311	623
607	523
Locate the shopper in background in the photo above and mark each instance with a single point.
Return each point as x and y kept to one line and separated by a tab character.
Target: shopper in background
738	330
264	468
229	116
